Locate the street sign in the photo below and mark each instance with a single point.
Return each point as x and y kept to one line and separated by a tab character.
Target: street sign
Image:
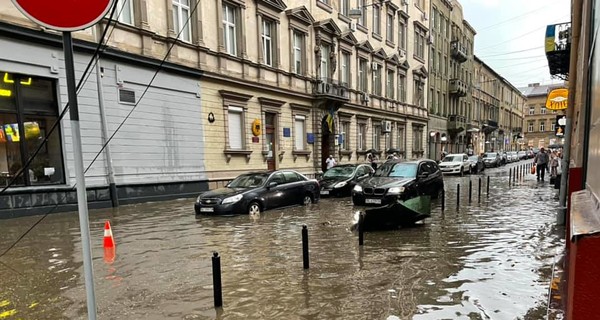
559	126
64	15
557	99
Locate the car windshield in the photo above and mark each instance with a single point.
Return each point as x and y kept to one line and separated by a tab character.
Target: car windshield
339	172
490	155
403	170
249	181
452	159
473	158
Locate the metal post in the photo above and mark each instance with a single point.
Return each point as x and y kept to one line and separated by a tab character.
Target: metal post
479	192
470	189
361	229
488	186
305	247
84	224
509	175
217	288
457	196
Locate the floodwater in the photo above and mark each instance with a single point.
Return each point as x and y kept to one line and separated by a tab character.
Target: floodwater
487	260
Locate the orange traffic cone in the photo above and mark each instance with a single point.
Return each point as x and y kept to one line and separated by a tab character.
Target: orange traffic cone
109	244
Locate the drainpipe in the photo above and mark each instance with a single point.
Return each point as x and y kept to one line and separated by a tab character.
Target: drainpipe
114	198
573	81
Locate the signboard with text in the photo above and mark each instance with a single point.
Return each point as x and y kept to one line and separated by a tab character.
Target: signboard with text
557	99
559	126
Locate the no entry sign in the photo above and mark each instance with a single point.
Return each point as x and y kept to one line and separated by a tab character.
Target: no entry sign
64	15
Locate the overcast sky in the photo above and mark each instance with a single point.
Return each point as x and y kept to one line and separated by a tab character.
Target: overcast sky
506	26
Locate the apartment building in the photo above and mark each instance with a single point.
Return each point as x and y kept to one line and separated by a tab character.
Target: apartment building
451	73
539	122
510	131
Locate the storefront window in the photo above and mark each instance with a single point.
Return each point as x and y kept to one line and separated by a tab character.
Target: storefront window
28	109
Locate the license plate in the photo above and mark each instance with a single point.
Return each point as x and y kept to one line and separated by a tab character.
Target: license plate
207	209
325	192
373	201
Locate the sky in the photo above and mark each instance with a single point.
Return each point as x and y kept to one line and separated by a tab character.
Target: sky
505	27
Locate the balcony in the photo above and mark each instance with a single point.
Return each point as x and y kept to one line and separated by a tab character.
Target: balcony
456	123
331	89
458	51
558	49
458	88
489	126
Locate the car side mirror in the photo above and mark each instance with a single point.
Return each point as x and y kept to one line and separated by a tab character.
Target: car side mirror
423	175
272	185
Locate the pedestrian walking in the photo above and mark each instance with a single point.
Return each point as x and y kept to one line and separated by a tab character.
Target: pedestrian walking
371	159
554	159
541	160
330	162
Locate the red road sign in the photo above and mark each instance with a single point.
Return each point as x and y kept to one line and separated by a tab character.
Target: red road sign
64	15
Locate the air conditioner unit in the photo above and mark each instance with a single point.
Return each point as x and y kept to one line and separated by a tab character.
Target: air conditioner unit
386	126
425	17
402	53
352	26
365	97
374	66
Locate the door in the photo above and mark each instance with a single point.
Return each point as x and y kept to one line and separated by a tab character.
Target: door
270	135
275	196
426	185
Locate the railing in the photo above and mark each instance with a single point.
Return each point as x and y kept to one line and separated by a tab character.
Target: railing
332	88
458	87
457	122
458	51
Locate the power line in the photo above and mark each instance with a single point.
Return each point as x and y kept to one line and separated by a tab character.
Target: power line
516	58
514	18
510	52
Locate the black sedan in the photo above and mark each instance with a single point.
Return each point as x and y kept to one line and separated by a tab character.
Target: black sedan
339	180
255	192
477	164
396	180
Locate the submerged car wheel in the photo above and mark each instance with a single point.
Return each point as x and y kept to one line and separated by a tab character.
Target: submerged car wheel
254	208
307	200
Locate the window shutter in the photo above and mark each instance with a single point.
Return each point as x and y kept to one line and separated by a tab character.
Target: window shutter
235	130
299	133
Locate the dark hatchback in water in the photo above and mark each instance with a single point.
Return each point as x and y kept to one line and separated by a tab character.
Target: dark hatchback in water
252	193
340	180
399	180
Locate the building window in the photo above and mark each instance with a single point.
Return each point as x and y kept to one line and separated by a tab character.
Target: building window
28	108
181	15
417	138
362	136
530	127
400	139
554	112
267	41
344	7
377	137
362	75
229	29
543	110
345	68
298	50
235	117
363	17
376	20
542	126
402	33
125	7
324	62
552	126
389	87
402	88
299	132
390	27
418	94
345	135
377	80
420	43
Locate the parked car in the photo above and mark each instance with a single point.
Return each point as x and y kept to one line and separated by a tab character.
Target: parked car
503	158
477	164
340	180
491	159
455	163
396	180
522	155
514	157
255	192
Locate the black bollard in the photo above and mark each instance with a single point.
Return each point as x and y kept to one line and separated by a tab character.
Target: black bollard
509	175
443	200
479	192
488	186
470	189
361	229
305	246
217	289
457	196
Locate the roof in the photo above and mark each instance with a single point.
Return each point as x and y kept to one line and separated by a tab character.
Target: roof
539	90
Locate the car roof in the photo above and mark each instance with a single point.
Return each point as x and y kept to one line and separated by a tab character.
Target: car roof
456	154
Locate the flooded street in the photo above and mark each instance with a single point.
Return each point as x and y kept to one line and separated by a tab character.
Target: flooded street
488	260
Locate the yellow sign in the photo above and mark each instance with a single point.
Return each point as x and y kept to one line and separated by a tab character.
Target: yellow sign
557	99
256	128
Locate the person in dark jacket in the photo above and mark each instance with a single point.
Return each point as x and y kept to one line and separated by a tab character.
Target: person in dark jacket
541	163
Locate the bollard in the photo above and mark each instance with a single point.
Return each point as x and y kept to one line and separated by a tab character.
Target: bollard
488	186
479	192
509	175
361	229
457	195
217	290
305	246
443	200
470	189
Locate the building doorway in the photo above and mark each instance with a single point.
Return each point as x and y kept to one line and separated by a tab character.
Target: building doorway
270	139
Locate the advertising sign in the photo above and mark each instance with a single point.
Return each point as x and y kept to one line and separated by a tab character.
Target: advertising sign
557	99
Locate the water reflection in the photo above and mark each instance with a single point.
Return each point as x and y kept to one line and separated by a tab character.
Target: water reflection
484	261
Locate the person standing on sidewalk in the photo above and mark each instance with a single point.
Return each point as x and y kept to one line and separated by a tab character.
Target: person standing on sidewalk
553	164
541	162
